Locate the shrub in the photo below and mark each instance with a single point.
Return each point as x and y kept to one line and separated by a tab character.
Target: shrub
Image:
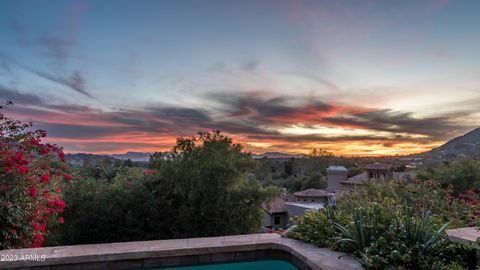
30	193
316	227
368	224
122	210
419	194
463	174
393	225
201	188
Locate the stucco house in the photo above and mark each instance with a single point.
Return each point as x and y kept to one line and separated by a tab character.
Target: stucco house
280	212
376	171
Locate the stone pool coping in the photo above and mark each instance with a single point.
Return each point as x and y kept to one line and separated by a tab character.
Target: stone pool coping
128	255
467	235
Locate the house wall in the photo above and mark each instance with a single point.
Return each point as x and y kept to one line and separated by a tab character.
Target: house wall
269	220
312	199
283	221
380	174
334	177
294	210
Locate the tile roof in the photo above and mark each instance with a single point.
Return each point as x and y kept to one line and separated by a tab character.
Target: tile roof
360	178
275	206
289	198
356	180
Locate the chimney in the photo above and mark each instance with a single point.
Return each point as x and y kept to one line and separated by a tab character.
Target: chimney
335	174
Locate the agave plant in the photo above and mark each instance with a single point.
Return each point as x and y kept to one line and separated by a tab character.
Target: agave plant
370	223
108	172
365	228
331	208
418	231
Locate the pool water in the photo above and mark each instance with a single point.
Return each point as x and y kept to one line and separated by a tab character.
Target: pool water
253	265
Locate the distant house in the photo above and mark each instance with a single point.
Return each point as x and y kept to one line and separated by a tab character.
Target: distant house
289	207
296	209
376	171
379	171
280	212
275	216
313	195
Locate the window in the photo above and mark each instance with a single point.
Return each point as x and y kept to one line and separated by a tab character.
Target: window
276	220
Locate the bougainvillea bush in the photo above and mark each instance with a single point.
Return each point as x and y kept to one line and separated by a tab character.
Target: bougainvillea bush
30	175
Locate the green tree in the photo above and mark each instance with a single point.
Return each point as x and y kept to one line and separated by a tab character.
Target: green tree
317	181
352	171
463	174
208	176
131	207
200	188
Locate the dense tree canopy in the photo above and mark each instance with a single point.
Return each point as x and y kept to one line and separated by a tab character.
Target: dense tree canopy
209	178
463	174
200	188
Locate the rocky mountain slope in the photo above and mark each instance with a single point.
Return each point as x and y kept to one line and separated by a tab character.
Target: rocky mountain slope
462	146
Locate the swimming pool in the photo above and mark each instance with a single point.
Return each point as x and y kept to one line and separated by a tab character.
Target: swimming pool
250	265
259	251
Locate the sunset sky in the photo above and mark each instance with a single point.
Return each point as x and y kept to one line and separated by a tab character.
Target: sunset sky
351	77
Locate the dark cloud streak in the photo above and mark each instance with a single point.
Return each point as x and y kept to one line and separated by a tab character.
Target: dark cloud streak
20	98
75	81
250	116
438	127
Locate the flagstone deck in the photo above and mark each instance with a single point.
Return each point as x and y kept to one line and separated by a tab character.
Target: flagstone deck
128	255
467	235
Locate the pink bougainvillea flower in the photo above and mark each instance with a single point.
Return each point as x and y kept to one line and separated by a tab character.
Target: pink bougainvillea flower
38	240
22	169
33	191
67	176
45	178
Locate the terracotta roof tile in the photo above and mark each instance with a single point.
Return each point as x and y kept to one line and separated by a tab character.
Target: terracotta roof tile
356	180
275	206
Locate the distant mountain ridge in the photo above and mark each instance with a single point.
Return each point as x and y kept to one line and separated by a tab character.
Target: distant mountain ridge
79	158
461	146
277	155
145	156
134	156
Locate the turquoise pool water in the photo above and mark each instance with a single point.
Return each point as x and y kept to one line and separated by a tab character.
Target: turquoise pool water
253	265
